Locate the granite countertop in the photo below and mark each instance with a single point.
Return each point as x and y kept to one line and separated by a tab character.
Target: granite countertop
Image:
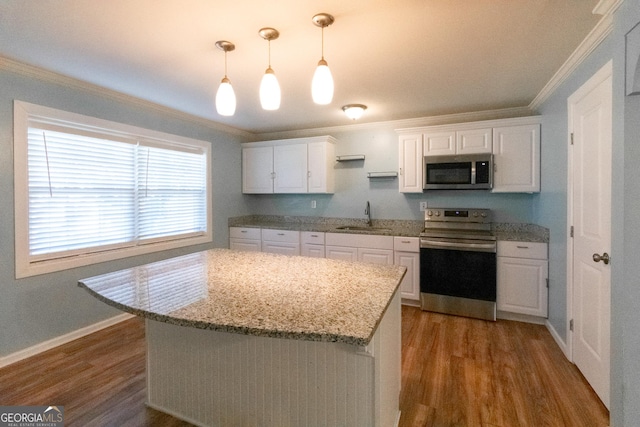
254	293
405	228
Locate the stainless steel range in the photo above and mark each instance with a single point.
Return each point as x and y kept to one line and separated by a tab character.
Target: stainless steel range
458	263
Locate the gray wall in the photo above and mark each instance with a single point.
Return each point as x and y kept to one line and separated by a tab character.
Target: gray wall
40	308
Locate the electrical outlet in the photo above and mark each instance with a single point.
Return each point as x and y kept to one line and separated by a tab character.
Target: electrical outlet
423	206
313	204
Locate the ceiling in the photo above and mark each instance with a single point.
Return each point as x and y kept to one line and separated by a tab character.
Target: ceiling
403	59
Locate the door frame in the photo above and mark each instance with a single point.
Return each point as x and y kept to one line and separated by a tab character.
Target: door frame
602	74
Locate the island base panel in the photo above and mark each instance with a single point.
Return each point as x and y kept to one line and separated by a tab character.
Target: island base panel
214	378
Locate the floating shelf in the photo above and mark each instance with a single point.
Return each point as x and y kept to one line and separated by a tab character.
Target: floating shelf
390	175
350	158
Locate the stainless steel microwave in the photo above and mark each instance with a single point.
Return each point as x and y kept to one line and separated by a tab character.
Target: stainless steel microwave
463	172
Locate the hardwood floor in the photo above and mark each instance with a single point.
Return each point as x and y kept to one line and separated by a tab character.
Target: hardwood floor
455	372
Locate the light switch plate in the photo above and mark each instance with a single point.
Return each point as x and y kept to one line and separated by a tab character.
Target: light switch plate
423	206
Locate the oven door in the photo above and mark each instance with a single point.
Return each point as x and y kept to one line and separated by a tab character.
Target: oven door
458	278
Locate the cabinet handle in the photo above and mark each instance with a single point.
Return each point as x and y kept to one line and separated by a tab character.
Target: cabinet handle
280	234
522	247
308	174
406	241
314	235
243	231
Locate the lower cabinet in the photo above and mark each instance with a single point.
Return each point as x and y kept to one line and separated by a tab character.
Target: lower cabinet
245	239
312	244
285	242
359	247
522	276
407	253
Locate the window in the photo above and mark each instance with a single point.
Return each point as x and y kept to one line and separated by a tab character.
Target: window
89	190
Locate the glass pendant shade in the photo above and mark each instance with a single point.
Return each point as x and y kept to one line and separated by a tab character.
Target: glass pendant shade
270	91
322	84
225	98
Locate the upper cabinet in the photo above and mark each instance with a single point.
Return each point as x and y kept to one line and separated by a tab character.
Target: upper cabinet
466	141
300	165
515	144
516	158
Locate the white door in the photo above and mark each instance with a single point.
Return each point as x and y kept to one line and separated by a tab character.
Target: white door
257	170
590	122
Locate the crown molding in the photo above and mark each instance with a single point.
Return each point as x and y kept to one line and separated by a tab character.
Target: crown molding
32	71
602	29
400	124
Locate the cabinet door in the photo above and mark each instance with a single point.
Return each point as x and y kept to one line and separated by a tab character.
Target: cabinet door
439	143
257	170
320	156
410	286
246	245
345	253
516	158
281	248
290	168
375	256
314	251
410	163
522	286
474	141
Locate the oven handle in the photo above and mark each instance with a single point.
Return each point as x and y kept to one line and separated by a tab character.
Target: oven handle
438	244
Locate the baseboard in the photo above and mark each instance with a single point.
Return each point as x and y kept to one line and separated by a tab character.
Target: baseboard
561	343
62	339
526	318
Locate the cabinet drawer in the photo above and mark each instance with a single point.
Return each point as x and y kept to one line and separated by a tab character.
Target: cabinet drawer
531	250
312	237
289	236
244	233
406	244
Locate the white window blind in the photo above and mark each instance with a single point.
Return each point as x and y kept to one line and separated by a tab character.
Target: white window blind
94	191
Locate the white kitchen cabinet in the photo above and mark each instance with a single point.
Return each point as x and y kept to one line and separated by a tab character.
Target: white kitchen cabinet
406	252
515	144
312	244
522	273
286	242
376	256
516	158
410	163
300	165
257	169
463	141
360	247
290	168
472	141
345	253
245	239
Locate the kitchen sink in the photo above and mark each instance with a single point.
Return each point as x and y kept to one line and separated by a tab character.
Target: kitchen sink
362	228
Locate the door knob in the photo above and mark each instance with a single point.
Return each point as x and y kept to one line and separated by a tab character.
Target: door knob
604	258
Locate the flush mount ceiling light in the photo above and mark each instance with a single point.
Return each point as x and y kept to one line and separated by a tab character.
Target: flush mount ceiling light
225	97
322	83
354	111
269	86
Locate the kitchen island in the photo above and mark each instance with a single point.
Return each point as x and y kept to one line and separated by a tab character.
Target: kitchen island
256	339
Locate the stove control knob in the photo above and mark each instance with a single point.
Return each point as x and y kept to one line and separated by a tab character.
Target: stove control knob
429	213
475	214
437	213
483	214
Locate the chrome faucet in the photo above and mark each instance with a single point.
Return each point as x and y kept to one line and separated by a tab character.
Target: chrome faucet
367	212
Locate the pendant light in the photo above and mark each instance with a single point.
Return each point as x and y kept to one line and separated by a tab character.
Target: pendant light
269	87
225	97
322	83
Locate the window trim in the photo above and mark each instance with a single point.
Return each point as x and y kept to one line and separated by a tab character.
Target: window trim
24	113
